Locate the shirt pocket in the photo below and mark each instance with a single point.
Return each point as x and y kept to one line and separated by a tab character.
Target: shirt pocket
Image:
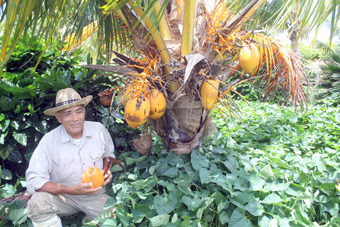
63	169
97	158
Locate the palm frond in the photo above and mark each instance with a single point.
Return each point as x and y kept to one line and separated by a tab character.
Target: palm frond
281	69
16	19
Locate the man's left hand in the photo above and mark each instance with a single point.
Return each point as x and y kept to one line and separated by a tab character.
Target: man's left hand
108	177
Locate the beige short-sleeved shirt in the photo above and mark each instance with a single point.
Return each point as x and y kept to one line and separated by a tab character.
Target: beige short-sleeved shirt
58	157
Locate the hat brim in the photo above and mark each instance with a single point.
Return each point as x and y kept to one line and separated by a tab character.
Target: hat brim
83	101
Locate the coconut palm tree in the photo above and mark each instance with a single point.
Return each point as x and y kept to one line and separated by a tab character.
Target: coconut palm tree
182	47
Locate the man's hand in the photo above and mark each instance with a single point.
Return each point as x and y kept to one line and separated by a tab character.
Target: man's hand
85	189
107	177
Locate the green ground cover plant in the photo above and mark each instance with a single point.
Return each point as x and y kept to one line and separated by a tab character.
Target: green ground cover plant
276	167
273	167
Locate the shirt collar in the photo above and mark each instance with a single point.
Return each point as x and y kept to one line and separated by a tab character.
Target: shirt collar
65	137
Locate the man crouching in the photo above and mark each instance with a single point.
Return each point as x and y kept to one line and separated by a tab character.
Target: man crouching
54	174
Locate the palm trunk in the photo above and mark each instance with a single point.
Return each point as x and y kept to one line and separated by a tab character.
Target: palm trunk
293	31
183	127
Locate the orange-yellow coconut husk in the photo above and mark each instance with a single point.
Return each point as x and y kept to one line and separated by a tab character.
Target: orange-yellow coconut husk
93	175
137	111
249	58
157	104
209	93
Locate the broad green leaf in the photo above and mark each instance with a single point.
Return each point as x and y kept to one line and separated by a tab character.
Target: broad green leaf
272	199
4	125
21	93
219	150
116	168
192	203
78	76
67	78
160	220
308	198
139	184
152	170
129	161
230	142
241	199
284	222
337	117
110	222
276	187
256	183
204	176
5	151
329	150
219	197
15	125
123	217
328	186
145	209
302	216
6	174
198	160
221	206
266	171
223	217
20	138
2	117
166	203
264	220
171	172
15	156
231	167
2	141
295	189
137	216
255	208
238	219
18	216
273	223
8	191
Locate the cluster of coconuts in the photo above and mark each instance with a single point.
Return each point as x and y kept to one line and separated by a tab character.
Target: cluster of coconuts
146	105
138	108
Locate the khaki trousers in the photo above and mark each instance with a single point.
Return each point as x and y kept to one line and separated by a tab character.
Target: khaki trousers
44	206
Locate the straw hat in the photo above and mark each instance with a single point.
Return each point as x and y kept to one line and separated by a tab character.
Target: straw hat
67	98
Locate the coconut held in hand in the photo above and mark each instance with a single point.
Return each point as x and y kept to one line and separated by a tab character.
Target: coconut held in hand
93	175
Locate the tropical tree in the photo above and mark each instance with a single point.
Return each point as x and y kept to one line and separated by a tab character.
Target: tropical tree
329	86
191	56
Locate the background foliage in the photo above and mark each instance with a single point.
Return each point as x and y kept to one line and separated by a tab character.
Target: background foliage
25	93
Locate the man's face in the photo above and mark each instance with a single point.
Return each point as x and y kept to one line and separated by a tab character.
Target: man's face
73	119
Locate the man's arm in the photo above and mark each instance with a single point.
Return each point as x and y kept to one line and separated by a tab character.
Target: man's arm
79	189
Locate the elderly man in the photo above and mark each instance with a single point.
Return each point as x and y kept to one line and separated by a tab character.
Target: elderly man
54	175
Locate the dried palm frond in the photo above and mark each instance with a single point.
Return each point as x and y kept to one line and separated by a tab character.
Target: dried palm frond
282	68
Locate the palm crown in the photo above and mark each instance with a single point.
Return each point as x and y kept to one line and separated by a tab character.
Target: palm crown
181	46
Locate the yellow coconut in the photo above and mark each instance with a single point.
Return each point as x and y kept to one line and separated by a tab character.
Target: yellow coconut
249	58
157	104
209	93
137	111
